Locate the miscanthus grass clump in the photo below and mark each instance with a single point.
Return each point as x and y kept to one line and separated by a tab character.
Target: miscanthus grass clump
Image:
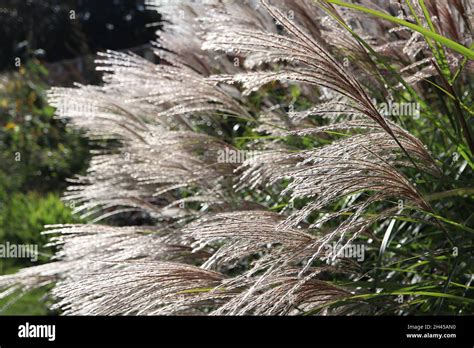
344	206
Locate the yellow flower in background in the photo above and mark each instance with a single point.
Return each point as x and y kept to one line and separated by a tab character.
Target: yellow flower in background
4	103
10	125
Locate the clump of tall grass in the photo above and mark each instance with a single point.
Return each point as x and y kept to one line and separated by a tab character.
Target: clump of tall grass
300	84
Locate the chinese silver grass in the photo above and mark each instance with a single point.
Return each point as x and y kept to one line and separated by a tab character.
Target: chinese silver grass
98	113
409	50
236	257
146	96
282	293
32	277
185	25
332	172
114	244
364	163
374	138
236	233
316	65
257	171
170	91
139	287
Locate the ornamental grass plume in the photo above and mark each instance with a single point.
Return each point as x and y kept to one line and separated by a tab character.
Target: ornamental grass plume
298	83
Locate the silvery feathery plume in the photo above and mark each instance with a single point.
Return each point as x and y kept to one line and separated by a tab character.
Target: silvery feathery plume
237	14
247	234
303	13
185	30
30	278
320	67
96	287
450	19
280	276
153	161
134	267
171	90
182	32
356	58
362	170
242	234
86	250
373	137
367	162
141	287
154	112
138	94
314	64
149	176
281	293
256	171
98	113
331	108
107	244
